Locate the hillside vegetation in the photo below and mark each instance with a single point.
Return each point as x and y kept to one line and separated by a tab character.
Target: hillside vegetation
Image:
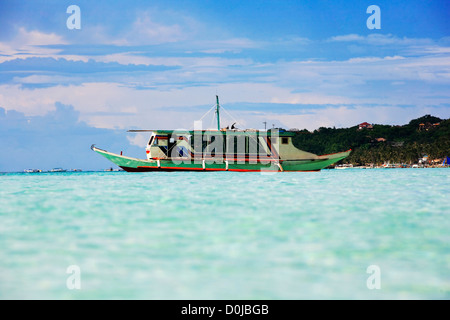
377	144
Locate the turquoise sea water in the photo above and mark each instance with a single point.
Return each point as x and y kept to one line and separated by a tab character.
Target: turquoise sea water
225	235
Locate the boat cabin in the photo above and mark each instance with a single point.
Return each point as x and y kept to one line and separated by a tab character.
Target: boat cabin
240	145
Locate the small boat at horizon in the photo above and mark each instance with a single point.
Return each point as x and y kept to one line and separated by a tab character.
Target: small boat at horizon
224	149
391	166
344	166
32	170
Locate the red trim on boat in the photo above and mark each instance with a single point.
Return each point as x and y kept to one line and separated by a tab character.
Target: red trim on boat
201	169
245	170
303	170
171	168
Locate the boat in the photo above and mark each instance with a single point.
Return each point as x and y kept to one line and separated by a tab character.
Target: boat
391	166
112	169
32	170
58	170
344	166
222	149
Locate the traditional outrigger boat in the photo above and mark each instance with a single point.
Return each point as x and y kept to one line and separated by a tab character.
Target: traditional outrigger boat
223	149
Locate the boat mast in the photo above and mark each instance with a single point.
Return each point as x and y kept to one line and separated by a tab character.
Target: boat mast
217	111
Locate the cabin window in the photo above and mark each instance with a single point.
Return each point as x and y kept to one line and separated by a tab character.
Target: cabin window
160	141
151	140
284	140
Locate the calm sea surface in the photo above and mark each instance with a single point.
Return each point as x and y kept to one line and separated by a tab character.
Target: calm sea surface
226	235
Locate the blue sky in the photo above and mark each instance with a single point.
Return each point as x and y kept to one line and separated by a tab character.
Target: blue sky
159	64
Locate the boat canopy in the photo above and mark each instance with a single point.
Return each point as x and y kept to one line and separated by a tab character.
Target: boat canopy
281	133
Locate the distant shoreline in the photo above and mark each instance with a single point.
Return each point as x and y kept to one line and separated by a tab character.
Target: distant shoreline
328	168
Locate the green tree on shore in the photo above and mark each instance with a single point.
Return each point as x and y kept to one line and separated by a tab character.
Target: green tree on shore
427	135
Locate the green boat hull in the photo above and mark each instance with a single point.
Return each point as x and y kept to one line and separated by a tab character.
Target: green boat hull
142	165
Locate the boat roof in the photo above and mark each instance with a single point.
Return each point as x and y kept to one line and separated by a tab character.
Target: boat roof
281	133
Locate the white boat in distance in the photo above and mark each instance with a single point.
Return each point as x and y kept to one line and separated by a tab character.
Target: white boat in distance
344	166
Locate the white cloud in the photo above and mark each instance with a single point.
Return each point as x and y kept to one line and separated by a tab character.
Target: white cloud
36	38
368	80
429	50
388	81
420	80
110	105
138	139
310	98
381	39
373	59
29	44
41	79
324	82
233	45
348	37
188	62
147	29
344	117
